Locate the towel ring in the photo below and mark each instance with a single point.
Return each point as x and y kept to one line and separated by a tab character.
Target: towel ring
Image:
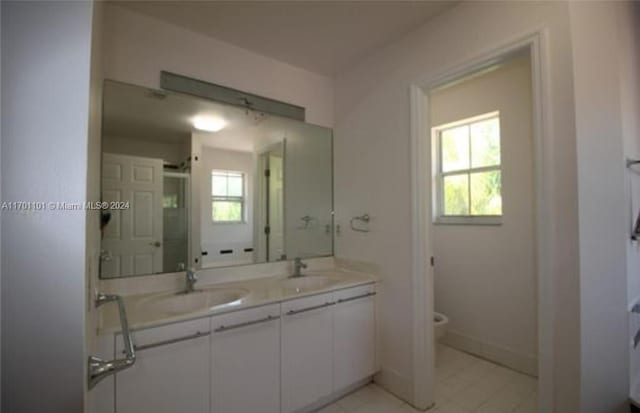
308	221
362	218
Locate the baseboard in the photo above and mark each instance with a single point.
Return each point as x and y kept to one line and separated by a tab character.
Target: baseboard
394	383
336	395
523	363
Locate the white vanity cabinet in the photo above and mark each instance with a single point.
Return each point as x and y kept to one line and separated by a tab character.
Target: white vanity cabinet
245	361
283	357
171	372
307	347
354	333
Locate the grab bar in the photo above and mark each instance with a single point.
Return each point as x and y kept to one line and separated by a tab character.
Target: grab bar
99	368
635	234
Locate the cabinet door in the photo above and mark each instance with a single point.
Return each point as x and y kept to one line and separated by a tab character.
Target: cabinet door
353	336
306	351
245	349
167	378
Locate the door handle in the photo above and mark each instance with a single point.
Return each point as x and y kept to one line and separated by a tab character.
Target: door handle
357	297
245	324
156	244
105	255
315	307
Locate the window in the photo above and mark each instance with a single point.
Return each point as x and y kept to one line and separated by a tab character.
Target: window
469	171
227	196
170	201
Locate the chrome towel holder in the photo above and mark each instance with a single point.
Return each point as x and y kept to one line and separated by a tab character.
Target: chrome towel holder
98	368
308	221
631	162
635	234
364	219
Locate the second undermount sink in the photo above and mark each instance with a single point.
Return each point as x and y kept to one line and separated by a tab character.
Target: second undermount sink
307	283
199	300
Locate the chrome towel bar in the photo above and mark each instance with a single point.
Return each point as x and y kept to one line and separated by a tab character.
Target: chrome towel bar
99	368
197	334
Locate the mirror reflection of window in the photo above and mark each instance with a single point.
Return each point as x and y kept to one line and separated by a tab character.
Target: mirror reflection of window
227	197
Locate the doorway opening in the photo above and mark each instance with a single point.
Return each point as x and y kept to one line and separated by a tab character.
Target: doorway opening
484	239
482	296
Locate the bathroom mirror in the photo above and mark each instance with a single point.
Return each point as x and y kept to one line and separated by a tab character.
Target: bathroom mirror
193	183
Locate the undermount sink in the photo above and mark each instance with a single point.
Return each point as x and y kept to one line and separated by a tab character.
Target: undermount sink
199	300
308	283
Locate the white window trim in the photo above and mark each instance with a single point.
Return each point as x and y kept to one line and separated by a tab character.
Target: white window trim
241	199
439	217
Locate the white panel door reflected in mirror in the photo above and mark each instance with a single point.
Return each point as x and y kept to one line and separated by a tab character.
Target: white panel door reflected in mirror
209	184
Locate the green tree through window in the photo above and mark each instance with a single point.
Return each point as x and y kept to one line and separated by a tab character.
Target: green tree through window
227	196
469	168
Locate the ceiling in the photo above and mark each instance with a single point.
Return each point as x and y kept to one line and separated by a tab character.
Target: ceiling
137	113
321	36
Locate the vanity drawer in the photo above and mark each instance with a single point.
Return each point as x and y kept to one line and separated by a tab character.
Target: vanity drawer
166	335
354	293
244	318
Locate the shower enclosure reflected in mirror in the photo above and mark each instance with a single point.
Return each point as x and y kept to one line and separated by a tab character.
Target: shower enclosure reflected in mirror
205	184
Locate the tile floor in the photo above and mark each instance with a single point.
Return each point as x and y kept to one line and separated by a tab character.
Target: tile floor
464	384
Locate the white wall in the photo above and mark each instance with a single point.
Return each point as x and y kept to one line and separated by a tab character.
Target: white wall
604	226
138	47
46	53
485	279
372	112
216	237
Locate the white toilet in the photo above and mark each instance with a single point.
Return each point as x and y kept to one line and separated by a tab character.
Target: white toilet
440	322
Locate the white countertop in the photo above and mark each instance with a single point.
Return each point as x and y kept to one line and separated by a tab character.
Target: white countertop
255	292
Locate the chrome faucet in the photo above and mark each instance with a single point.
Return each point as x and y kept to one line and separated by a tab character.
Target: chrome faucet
298	265
191	280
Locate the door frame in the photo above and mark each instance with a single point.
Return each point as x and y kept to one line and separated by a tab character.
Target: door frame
423	375
261	205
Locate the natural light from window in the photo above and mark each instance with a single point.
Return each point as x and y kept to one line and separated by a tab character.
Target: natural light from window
469	168
227	196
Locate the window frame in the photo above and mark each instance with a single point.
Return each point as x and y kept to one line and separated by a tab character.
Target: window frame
228	198
439	175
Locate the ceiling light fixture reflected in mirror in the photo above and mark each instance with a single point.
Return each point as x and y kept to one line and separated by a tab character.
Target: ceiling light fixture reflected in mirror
209	123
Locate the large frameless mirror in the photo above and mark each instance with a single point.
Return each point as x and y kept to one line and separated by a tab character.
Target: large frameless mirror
192	183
